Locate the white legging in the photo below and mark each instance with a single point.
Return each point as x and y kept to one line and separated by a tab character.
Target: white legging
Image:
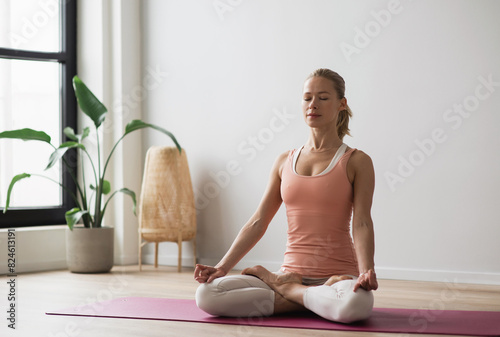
248	296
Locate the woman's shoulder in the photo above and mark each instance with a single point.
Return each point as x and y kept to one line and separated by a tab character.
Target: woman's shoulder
358	155
359	161
282	157
281	160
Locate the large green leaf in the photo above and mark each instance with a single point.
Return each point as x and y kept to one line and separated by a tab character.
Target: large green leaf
73	216
9	191
137	124
90	105
106	187
26	134
61	150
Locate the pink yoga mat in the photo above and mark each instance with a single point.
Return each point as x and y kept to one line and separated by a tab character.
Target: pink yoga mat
450	322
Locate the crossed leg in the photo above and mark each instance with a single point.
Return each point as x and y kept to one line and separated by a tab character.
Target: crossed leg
261	293
335	300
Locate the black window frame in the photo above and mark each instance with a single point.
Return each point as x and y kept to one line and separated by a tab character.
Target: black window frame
66	57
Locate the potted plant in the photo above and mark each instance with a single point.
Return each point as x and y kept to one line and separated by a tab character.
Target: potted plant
89	247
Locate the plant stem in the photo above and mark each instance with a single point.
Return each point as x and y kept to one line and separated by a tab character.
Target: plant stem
75	180
87	219
88	215
111	153
93	167
83	205
107	201
104	171
97	214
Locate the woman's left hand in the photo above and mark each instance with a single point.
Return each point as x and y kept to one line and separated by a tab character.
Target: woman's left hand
367	281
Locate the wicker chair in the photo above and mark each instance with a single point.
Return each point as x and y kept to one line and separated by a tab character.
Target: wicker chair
166	207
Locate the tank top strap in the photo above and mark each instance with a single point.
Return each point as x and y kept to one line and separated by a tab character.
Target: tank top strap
345	158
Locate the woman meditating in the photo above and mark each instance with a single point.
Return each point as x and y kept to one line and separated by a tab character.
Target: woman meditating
321	184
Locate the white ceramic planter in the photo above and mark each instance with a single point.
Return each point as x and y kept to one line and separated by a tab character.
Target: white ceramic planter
90	250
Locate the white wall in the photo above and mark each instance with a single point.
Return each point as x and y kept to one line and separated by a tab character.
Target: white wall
234	67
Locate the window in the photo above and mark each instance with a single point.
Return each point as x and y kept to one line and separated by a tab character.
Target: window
37	64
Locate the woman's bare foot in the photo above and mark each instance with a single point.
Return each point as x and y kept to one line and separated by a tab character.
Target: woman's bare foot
278	283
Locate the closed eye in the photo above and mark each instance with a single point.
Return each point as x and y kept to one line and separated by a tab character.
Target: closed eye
321	99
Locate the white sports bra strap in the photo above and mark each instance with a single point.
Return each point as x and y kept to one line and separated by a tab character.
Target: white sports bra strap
340	152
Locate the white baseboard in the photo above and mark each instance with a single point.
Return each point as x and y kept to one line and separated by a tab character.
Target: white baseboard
126	260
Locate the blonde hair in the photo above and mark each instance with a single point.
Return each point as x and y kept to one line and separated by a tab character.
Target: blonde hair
339	86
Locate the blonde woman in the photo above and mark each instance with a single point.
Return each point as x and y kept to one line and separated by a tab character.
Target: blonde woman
321	184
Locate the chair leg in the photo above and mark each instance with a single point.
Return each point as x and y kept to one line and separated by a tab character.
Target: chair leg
156	254
194	252
179	258
140	252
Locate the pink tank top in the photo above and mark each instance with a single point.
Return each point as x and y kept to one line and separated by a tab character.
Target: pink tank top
318	210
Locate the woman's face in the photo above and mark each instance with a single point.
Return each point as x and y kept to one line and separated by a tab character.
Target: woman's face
320	103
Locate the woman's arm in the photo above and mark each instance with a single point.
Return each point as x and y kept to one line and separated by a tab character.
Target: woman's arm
252	231
363	179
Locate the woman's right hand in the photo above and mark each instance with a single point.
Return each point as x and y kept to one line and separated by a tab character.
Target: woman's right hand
206	274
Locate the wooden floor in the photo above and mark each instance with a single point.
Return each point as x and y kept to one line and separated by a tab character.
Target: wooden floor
39	292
